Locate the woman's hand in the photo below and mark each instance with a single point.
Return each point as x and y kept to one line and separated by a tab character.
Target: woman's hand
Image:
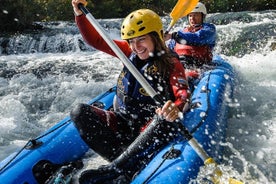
75	4
169	111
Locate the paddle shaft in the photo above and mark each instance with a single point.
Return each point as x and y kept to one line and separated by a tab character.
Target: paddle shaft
144	83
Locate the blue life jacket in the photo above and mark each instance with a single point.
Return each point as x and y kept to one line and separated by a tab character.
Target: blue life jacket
132	99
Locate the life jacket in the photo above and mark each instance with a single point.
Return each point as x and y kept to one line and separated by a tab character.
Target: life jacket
132	99
197	55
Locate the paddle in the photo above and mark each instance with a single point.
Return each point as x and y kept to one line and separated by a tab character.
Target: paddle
191	140
181	9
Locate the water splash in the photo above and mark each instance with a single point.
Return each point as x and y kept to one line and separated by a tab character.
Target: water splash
247	172
250	173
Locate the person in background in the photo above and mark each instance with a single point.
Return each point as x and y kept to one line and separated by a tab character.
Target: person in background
111	133
194	44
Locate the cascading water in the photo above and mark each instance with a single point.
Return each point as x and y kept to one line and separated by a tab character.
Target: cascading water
45	73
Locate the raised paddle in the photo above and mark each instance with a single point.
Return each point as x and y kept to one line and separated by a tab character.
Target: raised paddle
181	9
144	83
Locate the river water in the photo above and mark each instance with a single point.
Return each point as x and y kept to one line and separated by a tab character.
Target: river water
45	73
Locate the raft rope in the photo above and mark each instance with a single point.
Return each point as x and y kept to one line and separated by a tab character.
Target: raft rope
164	159
33	143
207	90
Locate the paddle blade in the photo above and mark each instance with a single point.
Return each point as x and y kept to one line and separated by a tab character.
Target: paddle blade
216	178
181	9
234	181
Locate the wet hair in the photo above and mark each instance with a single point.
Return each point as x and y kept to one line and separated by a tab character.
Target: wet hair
162	56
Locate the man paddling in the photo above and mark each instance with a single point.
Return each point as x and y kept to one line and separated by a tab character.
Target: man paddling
194	44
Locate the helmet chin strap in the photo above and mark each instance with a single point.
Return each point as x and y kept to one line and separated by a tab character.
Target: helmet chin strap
197	25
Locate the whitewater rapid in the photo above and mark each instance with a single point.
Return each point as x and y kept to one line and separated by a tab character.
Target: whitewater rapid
39	89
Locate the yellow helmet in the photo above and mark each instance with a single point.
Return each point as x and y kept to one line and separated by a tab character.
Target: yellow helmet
141	22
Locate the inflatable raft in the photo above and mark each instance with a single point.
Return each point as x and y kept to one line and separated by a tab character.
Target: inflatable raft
177	163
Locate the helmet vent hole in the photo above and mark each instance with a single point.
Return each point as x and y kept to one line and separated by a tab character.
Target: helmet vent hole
139	22
142	28
131	33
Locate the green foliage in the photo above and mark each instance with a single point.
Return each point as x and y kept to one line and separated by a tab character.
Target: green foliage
115	9
17	15
58	10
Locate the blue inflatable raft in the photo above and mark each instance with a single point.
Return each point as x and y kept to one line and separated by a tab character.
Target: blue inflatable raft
176	163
